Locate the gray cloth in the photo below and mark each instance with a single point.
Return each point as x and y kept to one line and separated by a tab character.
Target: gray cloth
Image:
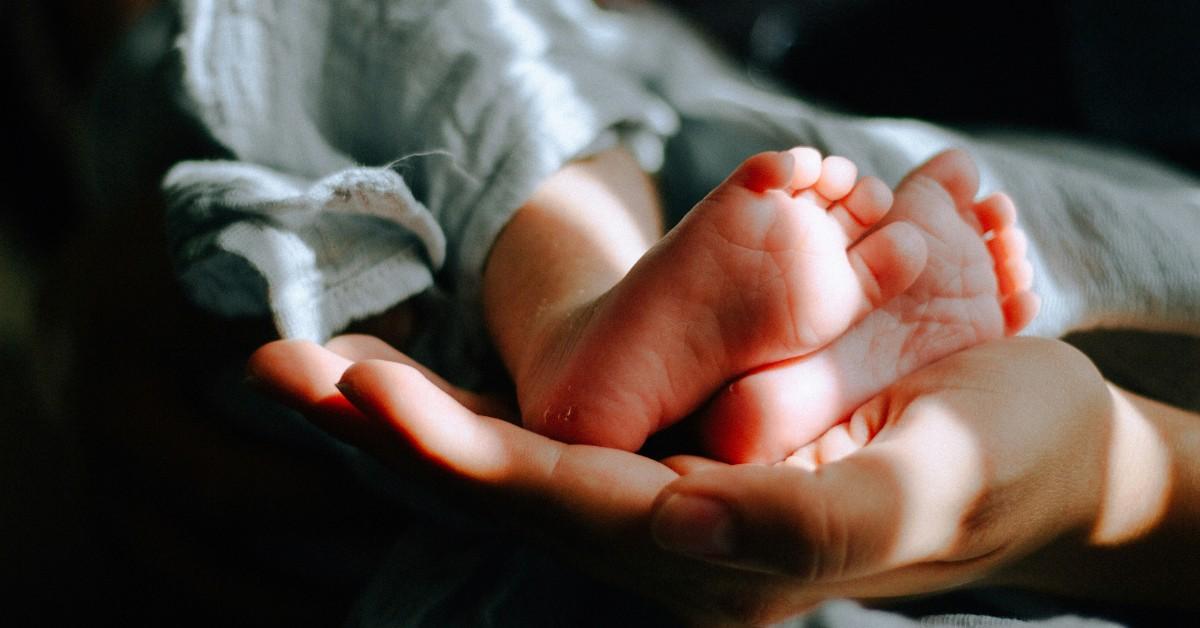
374	145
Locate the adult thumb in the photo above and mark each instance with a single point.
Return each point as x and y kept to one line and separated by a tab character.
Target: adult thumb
876	510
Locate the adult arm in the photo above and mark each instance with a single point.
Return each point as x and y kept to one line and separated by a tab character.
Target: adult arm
1149	522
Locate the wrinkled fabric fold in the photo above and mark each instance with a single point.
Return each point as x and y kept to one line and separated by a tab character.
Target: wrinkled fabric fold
438	119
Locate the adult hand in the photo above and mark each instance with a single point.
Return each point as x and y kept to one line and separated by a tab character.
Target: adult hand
950	477
973	469
590	504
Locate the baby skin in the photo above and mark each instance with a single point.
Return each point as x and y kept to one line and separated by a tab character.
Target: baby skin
974	287
784	280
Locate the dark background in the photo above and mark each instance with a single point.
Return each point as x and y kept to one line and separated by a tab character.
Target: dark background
1117	72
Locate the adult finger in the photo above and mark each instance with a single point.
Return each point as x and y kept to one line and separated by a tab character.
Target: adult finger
590	503
360	347
889	505
297	372
593	487
685	464
303	375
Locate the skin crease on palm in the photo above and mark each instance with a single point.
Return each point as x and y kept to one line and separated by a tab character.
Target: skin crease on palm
1043	475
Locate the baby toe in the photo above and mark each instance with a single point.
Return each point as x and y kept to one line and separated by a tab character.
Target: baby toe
864	206
837	178
1008	244
995	212
807	169
1014	275
1019	310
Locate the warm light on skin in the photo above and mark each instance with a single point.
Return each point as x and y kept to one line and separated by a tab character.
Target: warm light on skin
579	234
458	440
617	238
1137	487
931	502
935	501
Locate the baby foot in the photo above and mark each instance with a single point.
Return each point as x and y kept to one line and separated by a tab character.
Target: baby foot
974	288
772	264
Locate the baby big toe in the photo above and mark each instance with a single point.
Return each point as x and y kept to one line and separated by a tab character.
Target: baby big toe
887	262
954	171
771	171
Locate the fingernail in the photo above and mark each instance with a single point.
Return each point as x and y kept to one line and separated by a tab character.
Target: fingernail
347	390
694	525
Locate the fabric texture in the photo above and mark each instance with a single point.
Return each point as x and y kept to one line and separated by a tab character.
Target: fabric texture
379	147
